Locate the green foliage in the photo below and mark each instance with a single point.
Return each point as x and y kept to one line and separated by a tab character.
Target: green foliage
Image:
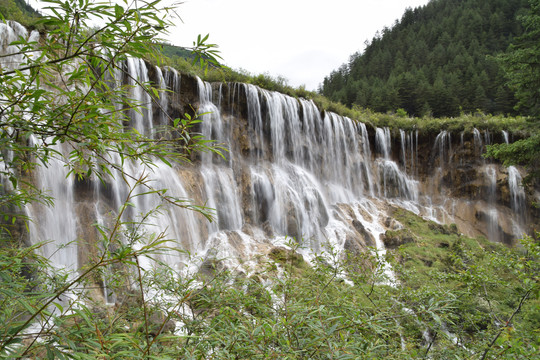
522	152
19	11
438	59
522	66
401	112
70	68
455	296
171	51
521	62
521	127
343	306
57	94
489	282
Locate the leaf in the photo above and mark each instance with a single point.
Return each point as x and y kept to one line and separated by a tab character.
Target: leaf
13	181
118	11
58	306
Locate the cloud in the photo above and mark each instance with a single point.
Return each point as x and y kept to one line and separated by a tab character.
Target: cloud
307	68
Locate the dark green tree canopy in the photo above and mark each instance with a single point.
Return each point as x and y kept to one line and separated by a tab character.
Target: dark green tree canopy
438	59
522	62
522	66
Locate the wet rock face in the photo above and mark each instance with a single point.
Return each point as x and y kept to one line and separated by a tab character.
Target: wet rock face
481	196
291	170
354	245
365	235
275	143
444	174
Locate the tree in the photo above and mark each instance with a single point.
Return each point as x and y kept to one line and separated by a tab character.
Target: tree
449	36
59	92
17	10
72	68
522	66
522	62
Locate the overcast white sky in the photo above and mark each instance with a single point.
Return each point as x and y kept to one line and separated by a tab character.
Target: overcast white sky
301	40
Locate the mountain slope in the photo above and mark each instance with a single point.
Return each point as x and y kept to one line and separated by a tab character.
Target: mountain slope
19	11
436	60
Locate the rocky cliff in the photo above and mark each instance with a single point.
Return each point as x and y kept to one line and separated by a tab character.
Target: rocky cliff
290	172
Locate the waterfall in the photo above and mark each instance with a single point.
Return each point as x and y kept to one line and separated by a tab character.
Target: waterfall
505	136
11	31
366	159
395	182
55	225
443	148
141	113
409	150
220	184
255	121
289	171
517	194
478	143
163	102
492	213
517	199
383	142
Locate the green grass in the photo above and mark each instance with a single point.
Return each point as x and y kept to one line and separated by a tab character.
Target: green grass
483	276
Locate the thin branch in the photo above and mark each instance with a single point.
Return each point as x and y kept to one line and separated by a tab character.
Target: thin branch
145	308
518	309
431	344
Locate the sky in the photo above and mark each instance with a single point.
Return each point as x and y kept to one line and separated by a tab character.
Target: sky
300	40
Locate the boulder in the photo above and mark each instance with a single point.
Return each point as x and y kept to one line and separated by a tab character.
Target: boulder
394	239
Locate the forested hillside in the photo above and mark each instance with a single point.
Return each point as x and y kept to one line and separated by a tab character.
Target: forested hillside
18	10
438	60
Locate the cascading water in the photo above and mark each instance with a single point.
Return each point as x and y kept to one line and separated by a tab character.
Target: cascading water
441	159
59	236
220	184
517	199
409	150
140	114
366	159
163	102
255	121
10	32
290	170
395	182
478	143
492	213
517	194
505	136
